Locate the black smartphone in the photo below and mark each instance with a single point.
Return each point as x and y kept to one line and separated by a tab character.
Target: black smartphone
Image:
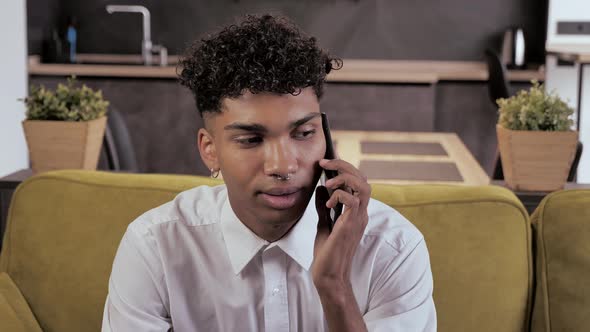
330	154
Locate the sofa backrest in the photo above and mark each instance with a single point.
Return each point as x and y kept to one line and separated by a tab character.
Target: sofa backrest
62	234
64	228
561	225
479	244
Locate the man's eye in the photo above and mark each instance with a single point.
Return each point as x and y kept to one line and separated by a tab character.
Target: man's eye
249	141
304	134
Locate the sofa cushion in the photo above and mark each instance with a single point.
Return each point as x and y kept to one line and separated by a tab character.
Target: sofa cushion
15	314
63	230
479	243
562	233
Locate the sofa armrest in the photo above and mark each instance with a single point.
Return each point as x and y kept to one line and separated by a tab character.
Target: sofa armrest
15	314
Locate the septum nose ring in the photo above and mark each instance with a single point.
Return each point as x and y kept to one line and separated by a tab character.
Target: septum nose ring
282	178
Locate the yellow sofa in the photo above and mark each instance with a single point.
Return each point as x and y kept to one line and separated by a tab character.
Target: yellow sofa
561	226
64	228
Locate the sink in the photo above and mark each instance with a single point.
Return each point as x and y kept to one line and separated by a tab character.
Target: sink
108	60
120	59
103	65
107	63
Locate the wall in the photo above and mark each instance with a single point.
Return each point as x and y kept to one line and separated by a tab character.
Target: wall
374	29
14	83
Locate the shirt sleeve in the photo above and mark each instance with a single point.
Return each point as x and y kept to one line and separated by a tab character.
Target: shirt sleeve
136	295
402	296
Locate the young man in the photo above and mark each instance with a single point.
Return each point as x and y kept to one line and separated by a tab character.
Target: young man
257	254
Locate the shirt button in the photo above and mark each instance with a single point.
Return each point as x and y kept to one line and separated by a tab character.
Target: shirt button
275	291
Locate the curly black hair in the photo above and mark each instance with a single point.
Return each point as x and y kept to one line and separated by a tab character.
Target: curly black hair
261	54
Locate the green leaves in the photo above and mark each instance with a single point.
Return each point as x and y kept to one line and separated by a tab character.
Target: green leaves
535	110
67	103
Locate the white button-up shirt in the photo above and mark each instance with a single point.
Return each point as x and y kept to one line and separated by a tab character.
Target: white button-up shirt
191	265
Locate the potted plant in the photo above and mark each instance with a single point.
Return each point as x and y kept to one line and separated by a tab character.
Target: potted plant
536	142
64	128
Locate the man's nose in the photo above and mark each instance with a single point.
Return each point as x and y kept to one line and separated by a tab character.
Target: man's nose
280	159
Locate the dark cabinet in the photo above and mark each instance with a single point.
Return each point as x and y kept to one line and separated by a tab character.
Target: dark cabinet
382	107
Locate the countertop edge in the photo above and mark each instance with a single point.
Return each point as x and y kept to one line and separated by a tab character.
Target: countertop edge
354	71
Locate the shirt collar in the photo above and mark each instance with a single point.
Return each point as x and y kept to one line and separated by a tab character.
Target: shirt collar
242	244
299	242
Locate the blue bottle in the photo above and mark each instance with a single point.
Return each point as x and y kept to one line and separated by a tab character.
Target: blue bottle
71	37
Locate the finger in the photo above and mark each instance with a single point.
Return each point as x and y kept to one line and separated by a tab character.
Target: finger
357	186
341	196
352	184
341	166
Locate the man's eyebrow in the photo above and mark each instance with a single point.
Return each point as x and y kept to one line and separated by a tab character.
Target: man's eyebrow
303	120
246	127
255	127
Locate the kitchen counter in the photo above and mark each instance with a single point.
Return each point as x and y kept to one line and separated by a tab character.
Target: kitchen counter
354	70
576	52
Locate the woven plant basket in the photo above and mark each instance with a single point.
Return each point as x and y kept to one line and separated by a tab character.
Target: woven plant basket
64	144
536	160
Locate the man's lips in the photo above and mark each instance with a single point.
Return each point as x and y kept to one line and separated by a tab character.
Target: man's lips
281	197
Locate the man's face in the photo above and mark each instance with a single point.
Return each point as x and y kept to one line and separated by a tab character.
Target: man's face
258	138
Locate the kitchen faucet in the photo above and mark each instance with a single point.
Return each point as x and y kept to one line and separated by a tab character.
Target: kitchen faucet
147	48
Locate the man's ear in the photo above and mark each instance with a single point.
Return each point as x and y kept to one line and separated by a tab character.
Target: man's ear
207	149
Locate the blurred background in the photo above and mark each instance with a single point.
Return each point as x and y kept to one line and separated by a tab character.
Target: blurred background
410	66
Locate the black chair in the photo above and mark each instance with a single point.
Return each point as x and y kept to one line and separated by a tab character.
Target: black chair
498	87
117	147
574	169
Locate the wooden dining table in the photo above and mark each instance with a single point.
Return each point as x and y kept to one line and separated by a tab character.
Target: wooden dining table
394	157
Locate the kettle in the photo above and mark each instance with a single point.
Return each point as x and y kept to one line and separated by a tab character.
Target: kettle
513	48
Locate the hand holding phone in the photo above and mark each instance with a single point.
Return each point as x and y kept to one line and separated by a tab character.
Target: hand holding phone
335	244
328	174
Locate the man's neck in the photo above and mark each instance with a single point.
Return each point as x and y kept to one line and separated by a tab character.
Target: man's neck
270	233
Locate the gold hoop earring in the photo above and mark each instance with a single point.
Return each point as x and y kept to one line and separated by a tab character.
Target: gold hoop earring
214	173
